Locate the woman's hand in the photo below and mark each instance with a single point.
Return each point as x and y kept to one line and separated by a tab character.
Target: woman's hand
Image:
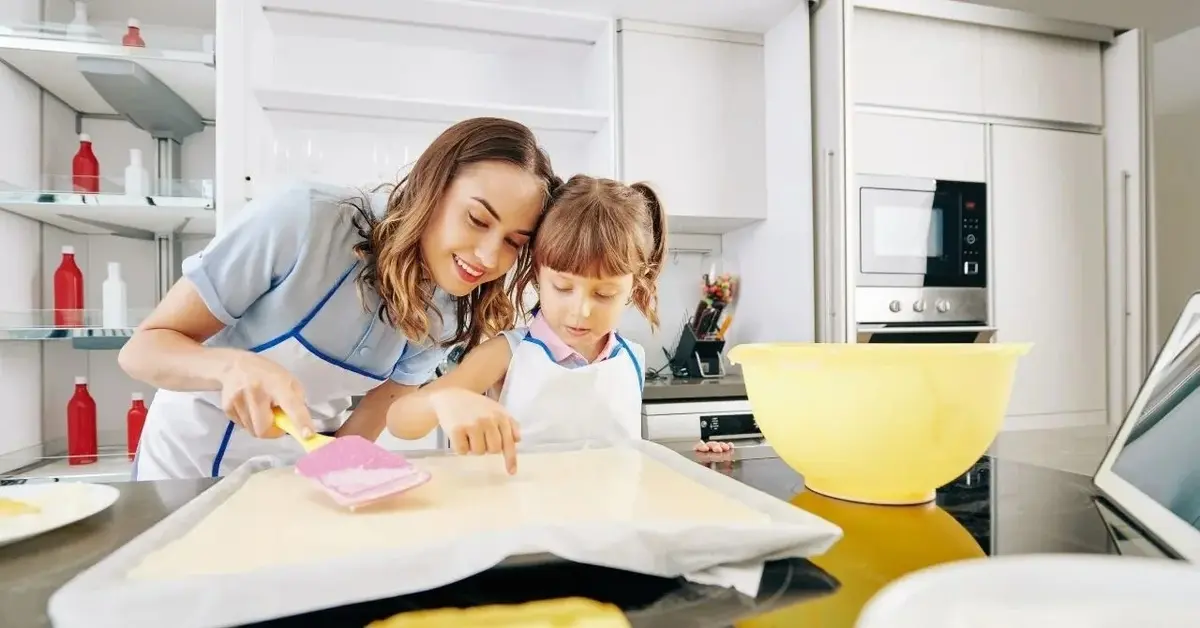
250	389
476	424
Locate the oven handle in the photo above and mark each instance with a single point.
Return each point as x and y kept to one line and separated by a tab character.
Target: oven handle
983	334
941	329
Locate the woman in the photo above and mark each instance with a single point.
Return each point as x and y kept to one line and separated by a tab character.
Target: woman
309	299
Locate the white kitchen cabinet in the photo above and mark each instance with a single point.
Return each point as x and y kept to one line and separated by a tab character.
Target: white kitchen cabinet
158	99
1069	207
919	147
1048	229
351	93
693	125
917	62
1041	77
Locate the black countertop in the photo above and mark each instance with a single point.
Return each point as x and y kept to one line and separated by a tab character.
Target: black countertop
998	507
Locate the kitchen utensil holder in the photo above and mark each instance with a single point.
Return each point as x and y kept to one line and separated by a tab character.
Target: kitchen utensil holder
697	357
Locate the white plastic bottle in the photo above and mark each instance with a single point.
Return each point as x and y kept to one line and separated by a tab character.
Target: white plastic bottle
79	27
136	178
115	308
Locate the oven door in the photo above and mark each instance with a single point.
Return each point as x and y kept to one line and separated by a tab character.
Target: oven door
925	334
911	233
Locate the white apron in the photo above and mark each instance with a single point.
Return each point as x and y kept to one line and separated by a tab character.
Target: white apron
595	404
188	435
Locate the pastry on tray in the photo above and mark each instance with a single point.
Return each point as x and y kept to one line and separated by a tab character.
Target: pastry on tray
573	612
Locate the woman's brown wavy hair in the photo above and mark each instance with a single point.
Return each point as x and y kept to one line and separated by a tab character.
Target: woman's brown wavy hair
391	247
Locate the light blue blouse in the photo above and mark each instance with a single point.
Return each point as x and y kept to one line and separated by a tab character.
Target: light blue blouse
281	256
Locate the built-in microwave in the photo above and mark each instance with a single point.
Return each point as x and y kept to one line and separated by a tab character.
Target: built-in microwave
922	250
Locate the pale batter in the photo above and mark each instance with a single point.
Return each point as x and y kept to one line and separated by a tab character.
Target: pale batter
279	518
13	507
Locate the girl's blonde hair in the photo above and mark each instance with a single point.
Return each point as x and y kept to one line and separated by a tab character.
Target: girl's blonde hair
604	228
391	246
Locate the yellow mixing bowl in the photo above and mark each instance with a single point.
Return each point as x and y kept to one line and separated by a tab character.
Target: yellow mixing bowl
879	423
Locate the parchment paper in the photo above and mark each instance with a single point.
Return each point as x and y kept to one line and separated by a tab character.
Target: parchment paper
143	584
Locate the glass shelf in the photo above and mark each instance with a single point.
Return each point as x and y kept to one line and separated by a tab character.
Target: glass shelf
48	55
89	335
189	210
48	462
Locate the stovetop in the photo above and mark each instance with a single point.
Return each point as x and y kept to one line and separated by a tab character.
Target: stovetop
997	507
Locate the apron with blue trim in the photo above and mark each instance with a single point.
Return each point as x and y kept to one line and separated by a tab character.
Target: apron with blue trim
599	404
188	435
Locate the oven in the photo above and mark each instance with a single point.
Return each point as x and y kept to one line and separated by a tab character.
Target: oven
922	263
680	425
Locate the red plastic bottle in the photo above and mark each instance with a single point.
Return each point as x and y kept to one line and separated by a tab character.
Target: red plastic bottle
68	291
82	447
85	168
134	420
133	35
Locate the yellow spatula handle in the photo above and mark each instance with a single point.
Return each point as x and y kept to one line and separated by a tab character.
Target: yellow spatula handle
284	422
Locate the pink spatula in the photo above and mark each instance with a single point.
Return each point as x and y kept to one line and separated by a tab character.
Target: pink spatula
351	469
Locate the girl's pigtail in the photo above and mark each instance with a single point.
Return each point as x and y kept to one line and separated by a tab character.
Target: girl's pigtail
645	294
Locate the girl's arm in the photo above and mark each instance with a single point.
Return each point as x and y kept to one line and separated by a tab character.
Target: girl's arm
412	414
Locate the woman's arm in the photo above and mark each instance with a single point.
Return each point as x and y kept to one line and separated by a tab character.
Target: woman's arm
412	416
219	285
167	350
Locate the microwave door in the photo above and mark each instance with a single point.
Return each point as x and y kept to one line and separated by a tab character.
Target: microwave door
902	232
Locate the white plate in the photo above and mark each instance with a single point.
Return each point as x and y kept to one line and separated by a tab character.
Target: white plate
1062	591
60	504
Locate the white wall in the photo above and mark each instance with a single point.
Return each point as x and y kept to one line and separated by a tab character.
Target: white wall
774	258
1176	81
20	270
1177	212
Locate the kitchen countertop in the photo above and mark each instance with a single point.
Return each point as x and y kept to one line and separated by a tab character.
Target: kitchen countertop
998	507
694	389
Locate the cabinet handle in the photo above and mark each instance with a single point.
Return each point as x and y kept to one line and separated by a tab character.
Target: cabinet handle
831	267
1125	276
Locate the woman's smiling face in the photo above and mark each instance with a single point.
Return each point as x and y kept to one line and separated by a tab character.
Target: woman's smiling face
485	218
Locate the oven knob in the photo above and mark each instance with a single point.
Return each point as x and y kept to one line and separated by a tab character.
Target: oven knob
943	306
919	306
894	306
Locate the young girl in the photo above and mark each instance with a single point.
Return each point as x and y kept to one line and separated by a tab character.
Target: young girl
570	376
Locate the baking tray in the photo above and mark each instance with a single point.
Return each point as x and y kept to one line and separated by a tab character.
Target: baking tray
103	596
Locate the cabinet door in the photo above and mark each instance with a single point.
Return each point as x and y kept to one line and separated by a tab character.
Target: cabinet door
1041	77
1049	247
917	62
918	147
693	125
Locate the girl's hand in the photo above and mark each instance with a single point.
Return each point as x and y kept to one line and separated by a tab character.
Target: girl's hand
713	447
476	424
250	389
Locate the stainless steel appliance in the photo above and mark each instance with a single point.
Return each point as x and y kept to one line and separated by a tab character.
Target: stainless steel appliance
681	424
922	267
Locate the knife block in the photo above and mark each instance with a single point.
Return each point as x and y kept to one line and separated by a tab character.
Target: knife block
697	357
